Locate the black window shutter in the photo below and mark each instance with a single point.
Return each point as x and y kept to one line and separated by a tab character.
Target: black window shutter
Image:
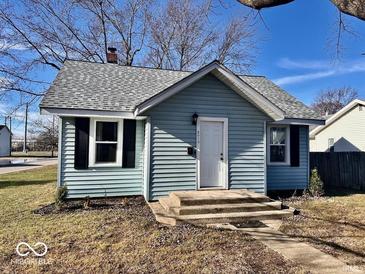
82	126
129	143
294	145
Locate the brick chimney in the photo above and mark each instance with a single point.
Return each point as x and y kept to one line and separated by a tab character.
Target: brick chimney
112	56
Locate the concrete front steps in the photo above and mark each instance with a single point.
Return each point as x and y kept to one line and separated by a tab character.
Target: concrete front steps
216	206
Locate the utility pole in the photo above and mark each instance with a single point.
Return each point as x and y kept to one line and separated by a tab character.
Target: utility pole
11	135
25	128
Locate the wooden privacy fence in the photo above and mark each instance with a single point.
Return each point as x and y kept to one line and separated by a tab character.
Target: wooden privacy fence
340	169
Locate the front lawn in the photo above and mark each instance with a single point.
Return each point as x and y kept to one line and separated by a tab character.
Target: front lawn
334	224
116	239
33	154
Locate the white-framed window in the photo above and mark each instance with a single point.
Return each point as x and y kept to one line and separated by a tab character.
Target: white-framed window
106	139
278	145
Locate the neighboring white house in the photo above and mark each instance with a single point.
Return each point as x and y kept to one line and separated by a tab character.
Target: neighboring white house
5	137
343	131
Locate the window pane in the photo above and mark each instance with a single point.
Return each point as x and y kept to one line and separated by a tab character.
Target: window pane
277	154
277	135
106	131
106	153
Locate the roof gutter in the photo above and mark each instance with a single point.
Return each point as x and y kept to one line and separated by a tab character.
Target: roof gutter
299	121
67	112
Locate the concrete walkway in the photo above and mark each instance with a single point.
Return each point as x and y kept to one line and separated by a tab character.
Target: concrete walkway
309	257
31	163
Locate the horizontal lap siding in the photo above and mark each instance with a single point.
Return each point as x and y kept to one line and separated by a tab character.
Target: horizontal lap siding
172	132
99	182
287	177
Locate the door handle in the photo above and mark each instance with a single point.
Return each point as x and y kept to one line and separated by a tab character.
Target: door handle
222	156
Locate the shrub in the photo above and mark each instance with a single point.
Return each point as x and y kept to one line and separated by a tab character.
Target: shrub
60	196
315	184
87	202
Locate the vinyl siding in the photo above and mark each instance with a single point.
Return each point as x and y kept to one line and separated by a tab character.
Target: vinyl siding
99	181
348	133
172	132
287	177
4	143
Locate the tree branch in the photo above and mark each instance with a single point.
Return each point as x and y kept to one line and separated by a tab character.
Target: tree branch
259	4
354	8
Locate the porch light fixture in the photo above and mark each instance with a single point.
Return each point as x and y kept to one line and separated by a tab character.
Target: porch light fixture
195	118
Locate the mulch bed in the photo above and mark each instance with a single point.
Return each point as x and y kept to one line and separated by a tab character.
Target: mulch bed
78	205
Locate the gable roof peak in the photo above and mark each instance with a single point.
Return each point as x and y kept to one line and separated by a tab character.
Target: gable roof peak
334	117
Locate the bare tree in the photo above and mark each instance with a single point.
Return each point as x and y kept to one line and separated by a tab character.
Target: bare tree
332	100
181	35
236	47
46	132
39	35
123	22
354	8
184	36
40	38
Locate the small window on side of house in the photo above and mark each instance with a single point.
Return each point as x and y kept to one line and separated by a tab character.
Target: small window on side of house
278	145
361	107
105	142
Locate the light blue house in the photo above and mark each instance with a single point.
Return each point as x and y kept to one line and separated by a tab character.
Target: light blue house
143	131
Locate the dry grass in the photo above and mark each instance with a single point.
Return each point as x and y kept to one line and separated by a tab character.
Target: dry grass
33	154
123	239
335	224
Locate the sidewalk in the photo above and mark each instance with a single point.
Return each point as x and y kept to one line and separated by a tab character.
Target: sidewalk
309	257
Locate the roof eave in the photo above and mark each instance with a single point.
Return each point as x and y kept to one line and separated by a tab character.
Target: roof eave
300	121
70	112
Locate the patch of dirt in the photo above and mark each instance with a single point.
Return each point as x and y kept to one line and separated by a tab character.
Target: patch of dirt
78	205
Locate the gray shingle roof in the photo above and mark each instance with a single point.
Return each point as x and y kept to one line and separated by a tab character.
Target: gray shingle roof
292	107
111	87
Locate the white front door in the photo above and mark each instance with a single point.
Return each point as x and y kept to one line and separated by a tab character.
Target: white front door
211	149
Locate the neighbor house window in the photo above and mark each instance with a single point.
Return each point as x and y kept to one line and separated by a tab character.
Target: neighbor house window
278	144
105	142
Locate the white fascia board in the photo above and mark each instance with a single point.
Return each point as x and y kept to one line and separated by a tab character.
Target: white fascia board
337	116
249	93
296	121
229	78
90	113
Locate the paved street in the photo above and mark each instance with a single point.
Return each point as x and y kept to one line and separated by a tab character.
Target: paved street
20	164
